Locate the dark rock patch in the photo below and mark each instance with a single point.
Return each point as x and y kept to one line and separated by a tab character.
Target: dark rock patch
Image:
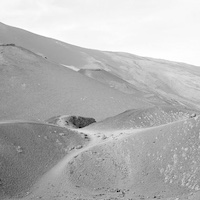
71	121
80	122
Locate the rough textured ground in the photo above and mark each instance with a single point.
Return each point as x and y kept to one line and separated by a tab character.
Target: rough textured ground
158	162
141	118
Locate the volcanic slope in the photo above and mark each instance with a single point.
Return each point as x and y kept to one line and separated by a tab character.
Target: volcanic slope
142	118
111	80
28	150
117	83
31	87
160	162
176	82
154	163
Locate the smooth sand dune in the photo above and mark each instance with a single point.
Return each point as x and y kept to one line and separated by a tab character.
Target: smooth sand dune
28	150
173	81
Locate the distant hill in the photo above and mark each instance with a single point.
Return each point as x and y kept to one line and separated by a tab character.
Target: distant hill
31	87
177	83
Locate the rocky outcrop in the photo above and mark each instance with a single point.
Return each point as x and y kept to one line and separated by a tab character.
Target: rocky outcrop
71	121
80	122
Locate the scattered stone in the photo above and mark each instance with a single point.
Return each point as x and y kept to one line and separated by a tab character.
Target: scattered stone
193	115
79	147
80	122
19	149
104	137
62	134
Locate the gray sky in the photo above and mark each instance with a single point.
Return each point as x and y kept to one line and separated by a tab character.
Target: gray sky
168	29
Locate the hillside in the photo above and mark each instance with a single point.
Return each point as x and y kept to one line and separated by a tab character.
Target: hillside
31	87
177	83
111	80
159	162
154	163
28	151
143	118
84	124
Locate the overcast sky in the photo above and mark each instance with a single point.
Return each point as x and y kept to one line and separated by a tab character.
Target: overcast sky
168	29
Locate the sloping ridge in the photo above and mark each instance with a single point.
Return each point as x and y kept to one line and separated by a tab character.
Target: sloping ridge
46	47
111	80
31	87
161	162
143	118
174	81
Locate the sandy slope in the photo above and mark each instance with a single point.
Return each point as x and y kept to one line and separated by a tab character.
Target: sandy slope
176	82
31	87
160	162
111	80
157	163
142	118
114	81
30	149
139	154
